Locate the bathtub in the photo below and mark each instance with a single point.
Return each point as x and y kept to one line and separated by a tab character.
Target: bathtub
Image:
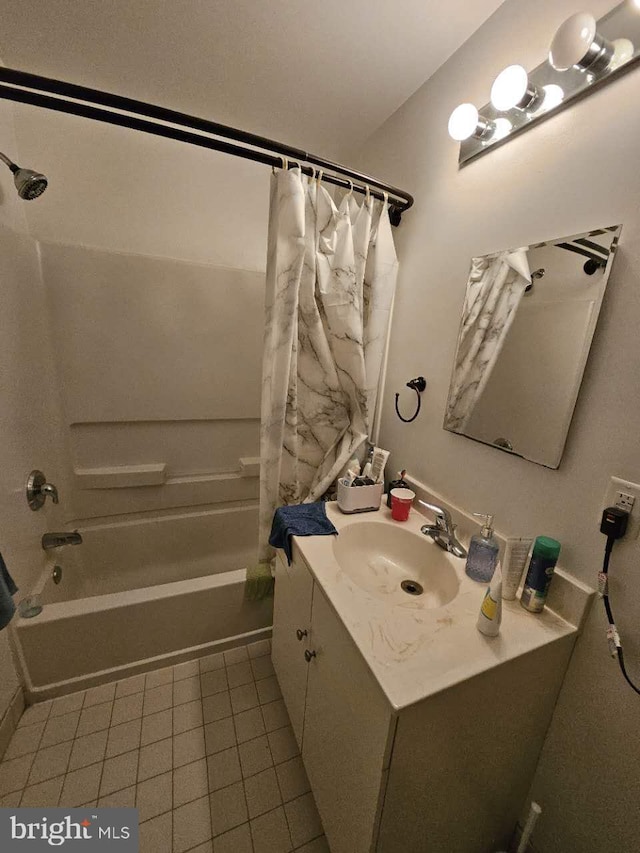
82	639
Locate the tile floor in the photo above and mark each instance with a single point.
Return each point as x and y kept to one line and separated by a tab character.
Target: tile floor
204	750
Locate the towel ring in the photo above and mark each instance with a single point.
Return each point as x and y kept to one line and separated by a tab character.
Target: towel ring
418	384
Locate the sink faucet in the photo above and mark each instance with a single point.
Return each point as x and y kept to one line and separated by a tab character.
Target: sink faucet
443	532
57	540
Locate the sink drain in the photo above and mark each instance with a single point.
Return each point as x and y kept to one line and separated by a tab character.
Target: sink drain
412	587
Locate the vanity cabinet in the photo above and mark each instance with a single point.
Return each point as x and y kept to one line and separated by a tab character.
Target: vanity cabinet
347	734
449	772
291	628
340	717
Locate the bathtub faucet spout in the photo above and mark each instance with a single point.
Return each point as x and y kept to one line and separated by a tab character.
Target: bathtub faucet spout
57	540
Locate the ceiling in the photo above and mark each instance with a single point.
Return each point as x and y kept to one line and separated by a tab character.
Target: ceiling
318	75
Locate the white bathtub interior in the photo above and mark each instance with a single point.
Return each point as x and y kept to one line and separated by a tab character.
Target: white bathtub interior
138	553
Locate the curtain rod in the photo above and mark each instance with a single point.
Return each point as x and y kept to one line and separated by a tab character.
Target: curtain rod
65	97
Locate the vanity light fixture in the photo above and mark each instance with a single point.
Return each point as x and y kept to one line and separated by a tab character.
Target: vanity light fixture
585	54
465	121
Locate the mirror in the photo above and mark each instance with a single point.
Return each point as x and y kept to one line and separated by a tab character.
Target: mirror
527	323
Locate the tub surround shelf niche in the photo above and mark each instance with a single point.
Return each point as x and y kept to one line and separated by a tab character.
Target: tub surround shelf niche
395	704
121	476
177	493
250	466
155	474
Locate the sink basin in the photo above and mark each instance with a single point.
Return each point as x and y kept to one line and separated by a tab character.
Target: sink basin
396	565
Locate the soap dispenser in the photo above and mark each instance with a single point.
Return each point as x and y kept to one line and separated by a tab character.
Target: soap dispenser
483	551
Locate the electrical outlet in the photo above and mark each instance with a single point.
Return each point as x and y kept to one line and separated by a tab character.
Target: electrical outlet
625	495
625	501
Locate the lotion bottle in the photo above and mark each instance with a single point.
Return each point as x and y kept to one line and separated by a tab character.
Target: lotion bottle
513	565
483	551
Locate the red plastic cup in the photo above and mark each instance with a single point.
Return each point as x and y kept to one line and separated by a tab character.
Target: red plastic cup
401	500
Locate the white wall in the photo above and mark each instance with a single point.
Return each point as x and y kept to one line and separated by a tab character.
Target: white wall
125	191
29	425
151	339
574	172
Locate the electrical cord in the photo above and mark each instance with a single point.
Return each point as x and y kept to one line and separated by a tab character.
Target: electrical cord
613	637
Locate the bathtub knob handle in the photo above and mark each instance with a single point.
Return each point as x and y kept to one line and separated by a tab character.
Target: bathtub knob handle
300	634
38	489
308	655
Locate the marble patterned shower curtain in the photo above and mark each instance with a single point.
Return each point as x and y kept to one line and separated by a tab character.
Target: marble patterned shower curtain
494	290
331	273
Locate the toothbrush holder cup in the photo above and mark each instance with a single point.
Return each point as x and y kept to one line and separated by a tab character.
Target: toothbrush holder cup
401	501
359	498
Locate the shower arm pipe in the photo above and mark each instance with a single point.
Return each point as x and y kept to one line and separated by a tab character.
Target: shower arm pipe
8	162
86	102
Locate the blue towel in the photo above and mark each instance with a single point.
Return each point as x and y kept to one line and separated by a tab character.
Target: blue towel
7	589
299	520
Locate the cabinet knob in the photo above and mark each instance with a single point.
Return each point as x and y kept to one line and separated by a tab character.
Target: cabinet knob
300	634
308	655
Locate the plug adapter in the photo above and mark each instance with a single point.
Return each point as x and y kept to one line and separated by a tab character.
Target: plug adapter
614	522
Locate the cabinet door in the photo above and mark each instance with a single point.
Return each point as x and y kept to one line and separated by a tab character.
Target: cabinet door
347	734
292	613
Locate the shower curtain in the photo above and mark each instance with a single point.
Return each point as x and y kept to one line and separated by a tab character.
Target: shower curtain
331	274
494	290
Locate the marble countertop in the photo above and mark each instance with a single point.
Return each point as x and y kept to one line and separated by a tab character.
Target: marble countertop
416	652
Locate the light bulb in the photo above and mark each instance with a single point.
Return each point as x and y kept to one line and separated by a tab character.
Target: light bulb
463	122
509	87
503	127
577	44
512	89
623	51
553	96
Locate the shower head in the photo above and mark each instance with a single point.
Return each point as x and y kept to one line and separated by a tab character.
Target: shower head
29	184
